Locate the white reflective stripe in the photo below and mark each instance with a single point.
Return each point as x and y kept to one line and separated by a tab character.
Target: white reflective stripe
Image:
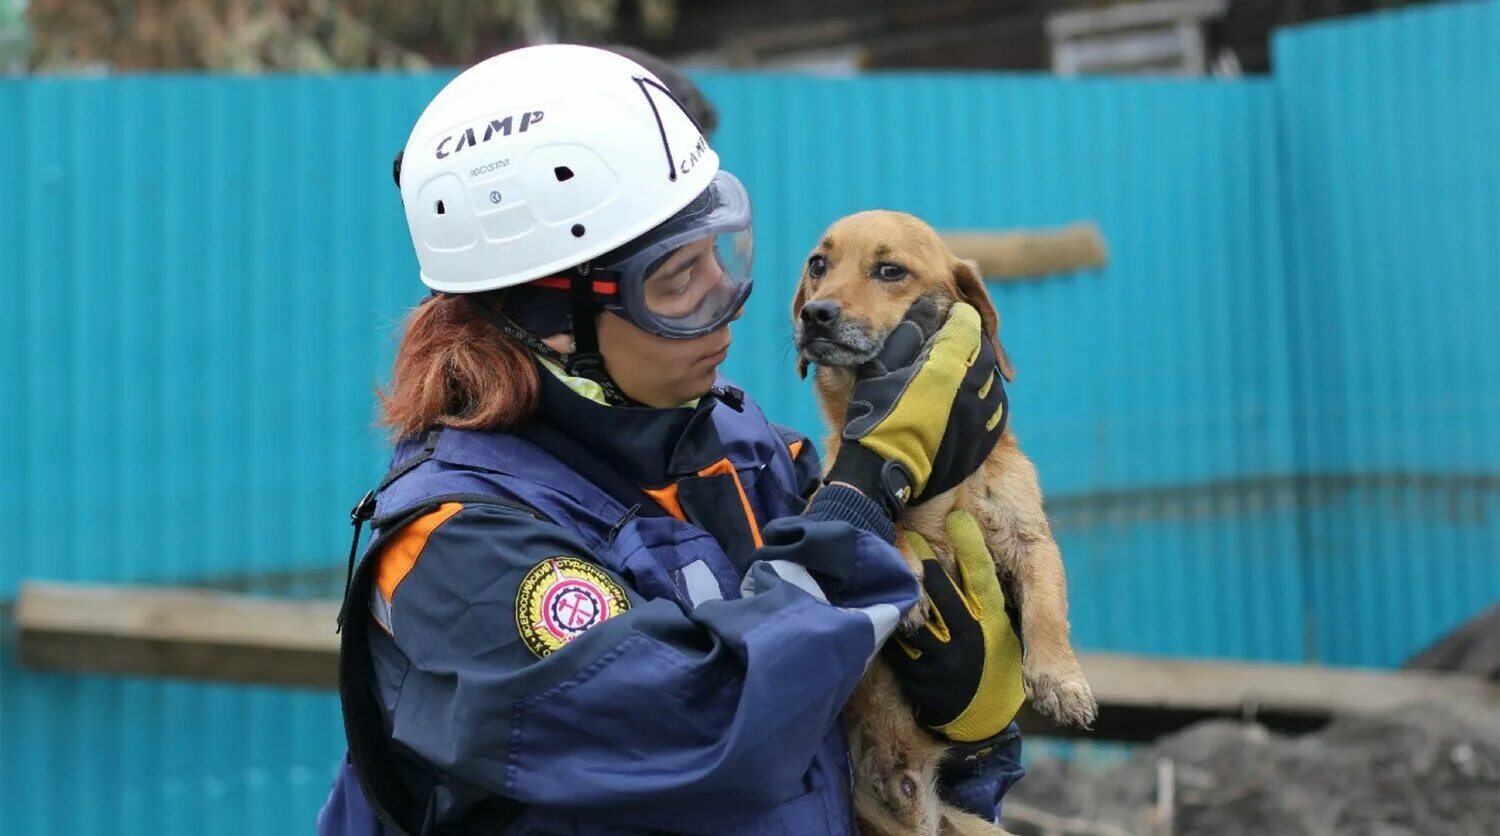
883	617
701	583
381	609
796	574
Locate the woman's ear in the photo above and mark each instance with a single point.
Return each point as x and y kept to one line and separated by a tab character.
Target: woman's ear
971	289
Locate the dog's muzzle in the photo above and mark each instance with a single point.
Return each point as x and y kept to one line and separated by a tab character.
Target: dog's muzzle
826	338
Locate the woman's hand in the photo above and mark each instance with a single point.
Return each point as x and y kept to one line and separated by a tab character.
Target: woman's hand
962	668
924	415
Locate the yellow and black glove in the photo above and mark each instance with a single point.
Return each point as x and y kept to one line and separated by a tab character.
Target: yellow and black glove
962	669
924	414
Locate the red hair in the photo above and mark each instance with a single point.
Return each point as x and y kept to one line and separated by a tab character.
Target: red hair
455	369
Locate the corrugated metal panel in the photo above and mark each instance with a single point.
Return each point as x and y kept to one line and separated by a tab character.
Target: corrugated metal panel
1145	376
1148	376
208	353
88	755
1179	175
1391	132
202	276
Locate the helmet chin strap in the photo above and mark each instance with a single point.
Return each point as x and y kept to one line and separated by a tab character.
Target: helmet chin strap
586	361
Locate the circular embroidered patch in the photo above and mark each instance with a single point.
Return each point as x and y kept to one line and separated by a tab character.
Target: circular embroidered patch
560	598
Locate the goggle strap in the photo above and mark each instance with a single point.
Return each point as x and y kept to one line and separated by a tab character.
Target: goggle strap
586	363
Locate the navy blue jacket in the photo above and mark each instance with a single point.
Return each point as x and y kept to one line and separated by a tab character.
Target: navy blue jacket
617	621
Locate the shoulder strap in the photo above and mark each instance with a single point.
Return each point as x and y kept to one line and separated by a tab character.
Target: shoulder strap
370	750
364	510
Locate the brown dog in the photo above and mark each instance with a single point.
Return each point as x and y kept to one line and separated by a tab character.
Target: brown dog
861	279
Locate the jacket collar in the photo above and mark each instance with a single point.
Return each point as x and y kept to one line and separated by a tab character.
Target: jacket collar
648	447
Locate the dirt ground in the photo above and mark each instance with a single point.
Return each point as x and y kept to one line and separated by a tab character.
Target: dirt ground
1426	771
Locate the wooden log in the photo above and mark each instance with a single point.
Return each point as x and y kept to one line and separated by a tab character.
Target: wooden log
168	632
1024	254
177	632
1144	697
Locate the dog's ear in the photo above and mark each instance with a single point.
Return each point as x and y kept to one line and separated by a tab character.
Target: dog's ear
970	283
798	301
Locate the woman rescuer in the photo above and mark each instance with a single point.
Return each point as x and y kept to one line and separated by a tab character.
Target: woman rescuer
604	595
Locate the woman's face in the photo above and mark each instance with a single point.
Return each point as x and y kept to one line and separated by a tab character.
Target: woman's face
657	371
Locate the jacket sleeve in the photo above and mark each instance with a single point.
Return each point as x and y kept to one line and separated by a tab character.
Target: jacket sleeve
652	718
976	776
807	466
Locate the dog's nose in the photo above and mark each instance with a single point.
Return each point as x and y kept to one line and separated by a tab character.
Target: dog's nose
821	312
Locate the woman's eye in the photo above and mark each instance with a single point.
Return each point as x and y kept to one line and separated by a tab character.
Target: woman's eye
674	284
890	272
817	266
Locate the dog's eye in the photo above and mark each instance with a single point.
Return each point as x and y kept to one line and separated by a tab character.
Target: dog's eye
888	272
817	266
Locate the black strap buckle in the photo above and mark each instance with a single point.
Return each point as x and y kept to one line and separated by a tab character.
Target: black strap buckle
895	487
590	366
731	396
364	510
584	365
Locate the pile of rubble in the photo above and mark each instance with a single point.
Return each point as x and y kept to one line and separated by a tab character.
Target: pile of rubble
1427	771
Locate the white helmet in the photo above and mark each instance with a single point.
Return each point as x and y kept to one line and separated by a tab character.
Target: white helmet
540	159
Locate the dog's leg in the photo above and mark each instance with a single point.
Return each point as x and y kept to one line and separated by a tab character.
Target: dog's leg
956	822
919	613
895	761
927	520
1008	507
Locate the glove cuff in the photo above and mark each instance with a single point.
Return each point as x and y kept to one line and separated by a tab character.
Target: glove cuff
881	479
966	758
837	502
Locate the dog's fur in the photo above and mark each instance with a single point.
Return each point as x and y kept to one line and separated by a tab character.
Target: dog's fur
895	761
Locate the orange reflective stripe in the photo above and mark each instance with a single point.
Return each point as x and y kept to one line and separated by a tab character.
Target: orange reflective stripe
795	448
401	553
724	466
667	499
719	467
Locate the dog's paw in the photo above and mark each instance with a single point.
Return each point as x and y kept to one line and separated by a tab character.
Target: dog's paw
918	615
1063	696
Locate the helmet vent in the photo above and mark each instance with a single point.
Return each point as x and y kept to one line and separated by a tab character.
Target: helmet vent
563	173
440	209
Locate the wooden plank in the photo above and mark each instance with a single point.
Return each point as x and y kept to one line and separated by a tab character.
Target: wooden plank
238	638
177	632
1143	697
1119	17
1022	254
1163	48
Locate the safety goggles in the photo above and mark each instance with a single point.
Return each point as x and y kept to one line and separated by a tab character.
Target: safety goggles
690	274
